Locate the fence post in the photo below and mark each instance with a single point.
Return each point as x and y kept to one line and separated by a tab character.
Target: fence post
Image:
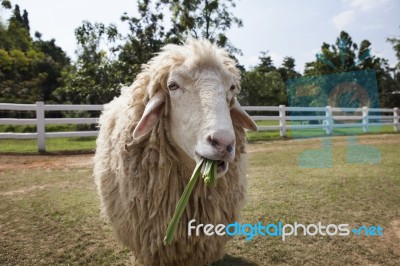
396	125
365	119
329	120
40	127
282	120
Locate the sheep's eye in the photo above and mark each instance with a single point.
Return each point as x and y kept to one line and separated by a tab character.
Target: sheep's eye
232	88
173	86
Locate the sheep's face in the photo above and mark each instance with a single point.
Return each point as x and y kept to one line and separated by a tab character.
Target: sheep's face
202	106
200	118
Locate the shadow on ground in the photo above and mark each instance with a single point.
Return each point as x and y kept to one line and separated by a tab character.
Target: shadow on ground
229	260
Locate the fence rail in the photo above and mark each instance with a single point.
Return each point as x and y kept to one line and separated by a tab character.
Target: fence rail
40	121
326	117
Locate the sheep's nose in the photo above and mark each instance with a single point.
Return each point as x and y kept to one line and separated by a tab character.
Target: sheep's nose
222	142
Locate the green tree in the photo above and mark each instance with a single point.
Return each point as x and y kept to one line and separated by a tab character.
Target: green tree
266	64
107	60
92	79
394	91
396	46
29	70
263	85
53	64
25	20
287	69
17	35
145	38
6	4
262	88
209	19
345	56
338	57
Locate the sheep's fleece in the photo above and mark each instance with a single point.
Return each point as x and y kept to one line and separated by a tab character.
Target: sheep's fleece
140	181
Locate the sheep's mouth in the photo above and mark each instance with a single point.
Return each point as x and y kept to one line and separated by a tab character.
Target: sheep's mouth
222	166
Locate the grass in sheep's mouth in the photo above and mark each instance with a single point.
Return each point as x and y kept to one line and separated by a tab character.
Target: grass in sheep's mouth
209	176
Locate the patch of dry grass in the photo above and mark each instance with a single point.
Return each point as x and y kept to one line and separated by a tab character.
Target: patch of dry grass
357	194
50	216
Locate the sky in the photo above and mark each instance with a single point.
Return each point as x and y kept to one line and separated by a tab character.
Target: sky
295	28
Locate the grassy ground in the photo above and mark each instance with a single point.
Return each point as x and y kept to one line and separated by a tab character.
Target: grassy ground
82	144
357	194
310	133
87	144
49	215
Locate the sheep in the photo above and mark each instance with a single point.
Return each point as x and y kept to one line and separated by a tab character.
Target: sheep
181	107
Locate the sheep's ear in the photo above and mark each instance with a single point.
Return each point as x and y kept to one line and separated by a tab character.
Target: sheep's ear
151	115
239	115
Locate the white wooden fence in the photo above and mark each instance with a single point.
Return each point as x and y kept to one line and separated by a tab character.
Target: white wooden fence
385	116
326	121
40	121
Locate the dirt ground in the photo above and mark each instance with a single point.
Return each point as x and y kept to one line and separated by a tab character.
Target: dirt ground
15	162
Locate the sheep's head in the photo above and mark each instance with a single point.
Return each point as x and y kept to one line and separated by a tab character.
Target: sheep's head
200	87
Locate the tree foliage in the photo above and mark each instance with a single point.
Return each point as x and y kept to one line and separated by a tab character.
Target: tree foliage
92	79
29	70
34	69
6	4
395	86
396	46
209	19
108	60
260	88
345	56
264	84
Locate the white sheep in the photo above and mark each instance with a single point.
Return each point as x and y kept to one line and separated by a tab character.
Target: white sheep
181	107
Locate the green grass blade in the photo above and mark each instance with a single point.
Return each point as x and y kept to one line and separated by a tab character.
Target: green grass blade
180	207
210	172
